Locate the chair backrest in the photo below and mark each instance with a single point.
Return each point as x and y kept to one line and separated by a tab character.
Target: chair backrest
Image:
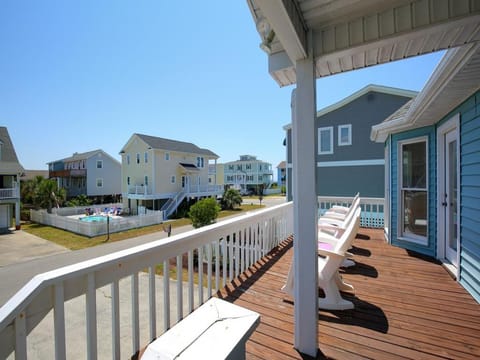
346	240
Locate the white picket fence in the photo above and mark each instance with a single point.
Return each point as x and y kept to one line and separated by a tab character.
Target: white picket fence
96	228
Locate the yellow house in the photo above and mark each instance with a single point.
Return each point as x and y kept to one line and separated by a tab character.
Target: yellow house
159	173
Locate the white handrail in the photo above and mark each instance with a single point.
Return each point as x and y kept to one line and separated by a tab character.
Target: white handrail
247	238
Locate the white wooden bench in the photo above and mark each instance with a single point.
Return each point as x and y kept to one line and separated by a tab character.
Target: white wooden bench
216	330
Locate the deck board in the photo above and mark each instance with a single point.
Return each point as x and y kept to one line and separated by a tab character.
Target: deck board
406	307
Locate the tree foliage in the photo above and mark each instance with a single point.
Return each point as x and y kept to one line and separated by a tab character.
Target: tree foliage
80	200
204	212
231	199
42	193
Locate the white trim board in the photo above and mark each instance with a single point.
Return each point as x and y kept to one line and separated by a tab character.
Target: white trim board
351	163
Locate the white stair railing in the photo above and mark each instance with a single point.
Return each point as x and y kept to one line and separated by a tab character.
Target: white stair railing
124	299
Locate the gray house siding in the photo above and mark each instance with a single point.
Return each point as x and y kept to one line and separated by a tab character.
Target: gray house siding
348	180
363	112
109	173
430	249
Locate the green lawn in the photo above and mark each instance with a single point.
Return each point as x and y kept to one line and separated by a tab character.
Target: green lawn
76	242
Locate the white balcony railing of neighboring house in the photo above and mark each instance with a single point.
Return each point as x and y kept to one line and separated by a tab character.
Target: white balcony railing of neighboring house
139	190
10	193
372	214
228	248
203	189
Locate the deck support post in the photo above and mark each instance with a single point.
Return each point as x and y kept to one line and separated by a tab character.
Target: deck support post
305	208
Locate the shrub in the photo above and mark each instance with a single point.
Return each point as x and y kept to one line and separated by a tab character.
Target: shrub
204	212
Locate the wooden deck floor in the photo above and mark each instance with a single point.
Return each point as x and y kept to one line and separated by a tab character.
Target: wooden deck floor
406	306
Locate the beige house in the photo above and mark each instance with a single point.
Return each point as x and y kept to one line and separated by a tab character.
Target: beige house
159	173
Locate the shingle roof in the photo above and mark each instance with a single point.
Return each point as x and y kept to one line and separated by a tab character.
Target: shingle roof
174	145
401	112
8	161
83	156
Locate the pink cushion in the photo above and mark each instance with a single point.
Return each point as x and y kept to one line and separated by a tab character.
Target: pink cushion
325	246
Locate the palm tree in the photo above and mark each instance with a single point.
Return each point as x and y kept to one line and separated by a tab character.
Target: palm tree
49	195
231	199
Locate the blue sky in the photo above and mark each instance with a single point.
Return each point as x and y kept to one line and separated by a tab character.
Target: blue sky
77	76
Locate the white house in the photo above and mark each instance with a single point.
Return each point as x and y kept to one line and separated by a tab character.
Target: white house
158	173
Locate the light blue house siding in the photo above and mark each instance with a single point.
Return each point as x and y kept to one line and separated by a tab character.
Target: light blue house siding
470	195
469	267
429	132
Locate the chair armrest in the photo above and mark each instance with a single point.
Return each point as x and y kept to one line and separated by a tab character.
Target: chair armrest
330	253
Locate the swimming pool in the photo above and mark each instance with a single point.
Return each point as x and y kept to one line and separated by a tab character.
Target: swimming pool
94	218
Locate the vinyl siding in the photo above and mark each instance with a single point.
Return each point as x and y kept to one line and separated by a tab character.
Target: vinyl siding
470	195
430	248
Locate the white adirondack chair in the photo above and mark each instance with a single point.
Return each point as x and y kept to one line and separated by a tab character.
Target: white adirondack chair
329	278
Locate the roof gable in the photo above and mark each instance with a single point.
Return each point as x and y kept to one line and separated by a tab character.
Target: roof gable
84	156
365	90
171	145
8	160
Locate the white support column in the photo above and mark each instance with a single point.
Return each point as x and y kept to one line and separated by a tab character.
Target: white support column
305	209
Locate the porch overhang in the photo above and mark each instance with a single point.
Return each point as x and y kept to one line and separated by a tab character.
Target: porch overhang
349	35
453	81
189	168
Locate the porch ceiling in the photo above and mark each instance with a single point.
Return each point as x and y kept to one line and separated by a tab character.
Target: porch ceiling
353	34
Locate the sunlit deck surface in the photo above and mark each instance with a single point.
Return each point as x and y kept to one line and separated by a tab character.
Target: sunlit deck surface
406	306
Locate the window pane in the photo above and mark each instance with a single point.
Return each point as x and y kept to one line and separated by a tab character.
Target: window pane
325	141
414	166
415	212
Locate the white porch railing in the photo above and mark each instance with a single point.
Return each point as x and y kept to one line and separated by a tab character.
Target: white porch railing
9	193
228	247
372	209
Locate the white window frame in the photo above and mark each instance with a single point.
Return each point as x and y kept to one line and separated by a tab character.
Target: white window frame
414	238
327	128
100	162
145	157
145	180
173	179
99	181
349	141
128	159
167	156
138	158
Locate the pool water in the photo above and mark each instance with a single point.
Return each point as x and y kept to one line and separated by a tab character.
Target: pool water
94	218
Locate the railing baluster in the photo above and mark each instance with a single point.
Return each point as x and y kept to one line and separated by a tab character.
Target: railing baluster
115	320
217	265
231	261
135	316
190	282
200	275
91	313
224	260
166	295
152	302
21	336
209	269
237	254
59	322
179	288
247	248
